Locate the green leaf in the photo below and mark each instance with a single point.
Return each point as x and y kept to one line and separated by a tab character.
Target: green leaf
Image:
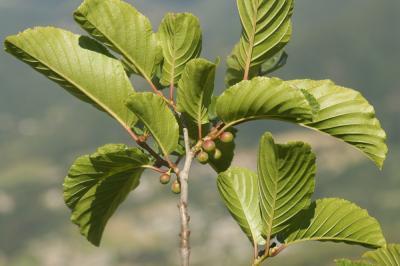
79	64
388	255
227	150
125	30
385	256
266	30
262	98
234	72
180	38
286	182
238	188
98	183
335	220
312	101
344	113
212	108
274	63
193	127
154	113
346	262
195	89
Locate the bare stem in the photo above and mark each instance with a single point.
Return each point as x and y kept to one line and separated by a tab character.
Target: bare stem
259	260
255	246
199	130
171	91
160	161
268	253
157	91
183	202
156	169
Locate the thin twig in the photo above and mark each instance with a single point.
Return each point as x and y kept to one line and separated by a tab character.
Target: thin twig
160	161
183	202
255	246
259	260
156	169
154	88
217	131
268	253
171	91
157	91
199	130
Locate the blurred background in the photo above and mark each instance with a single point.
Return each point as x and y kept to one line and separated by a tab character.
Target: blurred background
42	129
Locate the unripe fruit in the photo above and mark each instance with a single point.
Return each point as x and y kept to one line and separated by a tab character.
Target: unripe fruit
164	178
226	137
176	187
217	154
208	145
202	157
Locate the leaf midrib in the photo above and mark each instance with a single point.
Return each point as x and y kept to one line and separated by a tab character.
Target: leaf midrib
104	107
203	91
256	117
346	240
252	38
122	51
173	54
272	216
248	216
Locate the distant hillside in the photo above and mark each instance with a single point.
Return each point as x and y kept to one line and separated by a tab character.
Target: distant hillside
42	129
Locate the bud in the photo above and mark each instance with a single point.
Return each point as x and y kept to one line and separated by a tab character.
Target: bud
226	137
208	145
165	178
217	154
202	157
176	187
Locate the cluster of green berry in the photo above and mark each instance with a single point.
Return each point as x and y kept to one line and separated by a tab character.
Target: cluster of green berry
175	187
209	148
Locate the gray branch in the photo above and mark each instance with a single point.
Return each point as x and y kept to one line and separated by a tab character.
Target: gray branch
183	202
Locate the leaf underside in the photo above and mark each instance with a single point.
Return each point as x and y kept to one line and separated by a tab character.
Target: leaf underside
98	183
121	27
335	220
238	188
387	256
195	90
346	262
180	37
155	114
345	114
286	180
266	30
262	98
80	65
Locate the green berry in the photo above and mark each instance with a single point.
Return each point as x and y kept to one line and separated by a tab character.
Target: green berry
208	145
202	157
217	154
165	178
176	187
226	137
